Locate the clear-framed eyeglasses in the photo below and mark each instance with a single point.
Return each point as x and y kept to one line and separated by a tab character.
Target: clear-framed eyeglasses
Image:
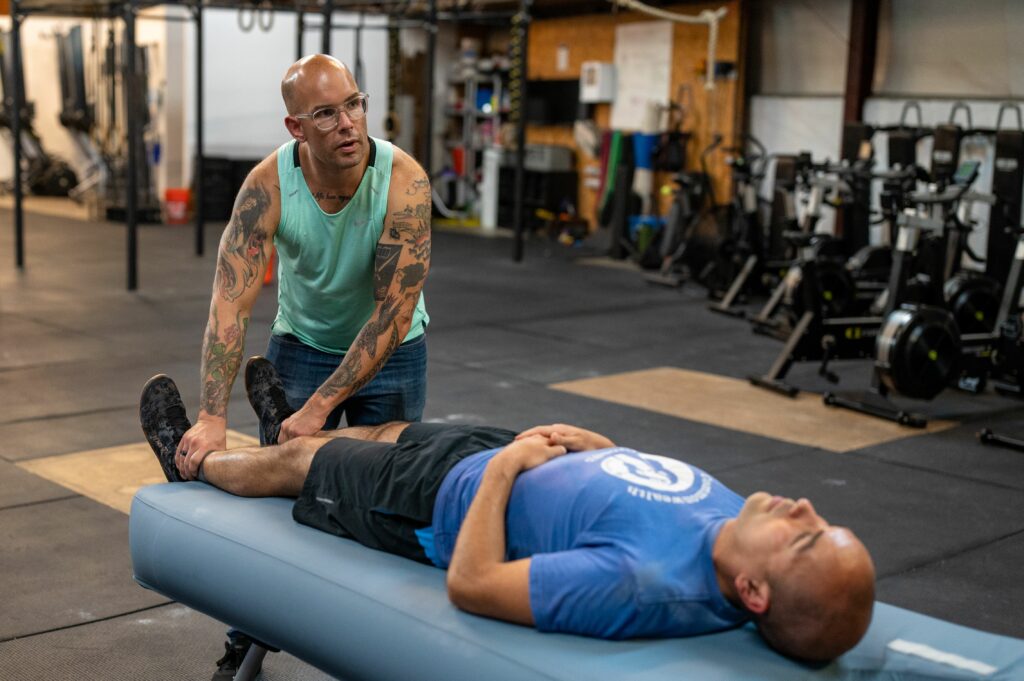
326	118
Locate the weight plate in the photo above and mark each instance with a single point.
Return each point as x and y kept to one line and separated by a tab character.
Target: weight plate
835	286
918	351
974	301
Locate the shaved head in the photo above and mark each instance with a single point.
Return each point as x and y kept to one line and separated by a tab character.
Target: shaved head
809	585
822	608
340	141
304	77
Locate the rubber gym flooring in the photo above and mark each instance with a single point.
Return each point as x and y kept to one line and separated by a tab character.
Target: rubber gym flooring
548	339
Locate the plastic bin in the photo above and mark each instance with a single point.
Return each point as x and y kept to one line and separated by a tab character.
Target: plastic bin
176	202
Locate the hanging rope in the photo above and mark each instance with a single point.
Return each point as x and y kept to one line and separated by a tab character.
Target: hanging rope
391	123
709	17
515	75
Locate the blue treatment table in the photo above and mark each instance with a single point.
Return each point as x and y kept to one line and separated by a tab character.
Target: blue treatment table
356	613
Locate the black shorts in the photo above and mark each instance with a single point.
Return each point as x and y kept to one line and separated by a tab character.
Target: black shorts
380	493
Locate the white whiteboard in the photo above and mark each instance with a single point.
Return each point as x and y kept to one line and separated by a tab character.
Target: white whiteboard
643	71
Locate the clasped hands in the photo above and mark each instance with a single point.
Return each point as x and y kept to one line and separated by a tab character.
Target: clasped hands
540	444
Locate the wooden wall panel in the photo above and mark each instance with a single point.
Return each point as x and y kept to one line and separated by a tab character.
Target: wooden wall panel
5	7
592	38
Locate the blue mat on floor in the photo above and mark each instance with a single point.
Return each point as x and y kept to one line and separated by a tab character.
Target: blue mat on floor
359	614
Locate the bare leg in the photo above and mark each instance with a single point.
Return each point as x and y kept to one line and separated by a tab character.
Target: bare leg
273	471
385	432
280	470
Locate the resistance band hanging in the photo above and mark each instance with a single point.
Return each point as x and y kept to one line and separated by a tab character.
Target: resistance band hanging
709	17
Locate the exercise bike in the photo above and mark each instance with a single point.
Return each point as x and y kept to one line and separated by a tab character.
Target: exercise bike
682	251
920	349
769	254
820	311
817	246
811	321
742	252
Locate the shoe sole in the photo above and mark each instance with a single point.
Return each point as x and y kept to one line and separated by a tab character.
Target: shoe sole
174	476
251	367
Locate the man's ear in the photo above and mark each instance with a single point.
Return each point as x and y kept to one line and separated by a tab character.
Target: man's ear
294	128
755	593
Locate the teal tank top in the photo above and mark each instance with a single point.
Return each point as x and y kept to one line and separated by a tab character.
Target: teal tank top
325	260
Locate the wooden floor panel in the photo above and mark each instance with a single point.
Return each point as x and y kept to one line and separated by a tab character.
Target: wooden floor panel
111	475
735	404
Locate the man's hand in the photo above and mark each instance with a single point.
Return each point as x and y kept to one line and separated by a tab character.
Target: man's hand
480	580
528	452
209	434
306	421
572	438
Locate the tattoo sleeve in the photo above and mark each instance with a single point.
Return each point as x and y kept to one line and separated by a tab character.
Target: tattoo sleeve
243	255
401	266
222	356
349	378
241	260
412	226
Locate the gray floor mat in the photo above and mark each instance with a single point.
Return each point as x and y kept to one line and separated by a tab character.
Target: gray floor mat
168	643
65	562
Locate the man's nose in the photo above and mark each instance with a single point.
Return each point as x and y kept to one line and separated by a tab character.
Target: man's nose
802	507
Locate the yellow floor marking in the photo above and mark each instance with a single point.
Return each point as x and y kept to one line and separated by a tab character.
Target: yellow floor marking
112	475
733	403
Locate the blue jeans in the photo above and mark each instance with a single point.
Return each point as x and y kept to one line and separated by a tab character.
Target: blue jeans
397	393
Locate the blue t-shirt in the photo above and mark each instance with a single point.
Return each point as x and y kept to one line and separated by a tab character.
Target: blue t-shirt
621	541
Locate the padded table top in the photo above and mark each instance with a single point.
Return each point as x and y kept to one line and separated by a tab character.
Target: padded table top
357	613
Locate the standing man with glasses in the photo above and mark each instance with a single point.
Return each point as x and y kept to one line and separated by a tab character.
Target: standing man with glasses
350	218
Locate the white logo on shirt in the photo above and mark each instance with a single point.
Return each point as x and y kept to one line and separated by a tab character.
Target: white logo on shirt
656	472
661	476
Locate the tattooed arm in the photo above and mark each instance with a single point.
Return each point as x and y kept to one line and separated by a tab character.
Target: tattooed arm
400	268
242	257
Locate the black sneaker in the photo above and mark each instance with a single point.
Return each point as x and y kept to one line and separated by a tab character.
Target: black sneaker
266	395
235	650
164	421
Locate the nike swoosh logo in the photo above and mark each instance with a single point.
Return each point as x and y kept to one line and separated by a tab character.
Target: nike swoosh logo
293	193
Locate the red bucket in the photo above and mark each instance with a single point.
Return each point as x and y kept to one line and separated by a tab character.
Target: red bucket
176	205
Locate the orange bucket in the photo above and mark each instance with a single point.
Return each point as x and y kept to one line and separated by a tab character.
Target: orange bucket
176	203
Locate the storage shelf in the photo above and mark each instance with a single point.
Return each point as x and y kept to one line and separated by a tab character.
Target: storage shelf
469	130
477	79
449	111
